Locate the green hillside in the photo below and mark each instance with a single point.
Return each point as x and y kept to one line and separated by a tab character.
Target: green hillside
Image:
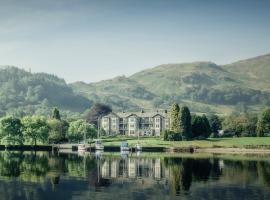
203	86
121	93
254	72
22	92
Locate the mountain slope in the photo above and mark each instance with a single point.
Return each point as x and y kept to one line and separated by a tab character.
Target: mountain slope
120	92
26	92
166	79
254	72
204	86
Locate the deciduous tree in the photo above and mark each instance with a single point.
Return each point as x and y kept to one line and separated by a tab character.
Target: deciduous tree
11	130
79	128
35	129
263	125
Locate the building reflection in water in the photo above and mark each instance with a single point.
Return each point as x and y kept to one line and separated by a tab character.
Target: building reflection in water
42	174
130	169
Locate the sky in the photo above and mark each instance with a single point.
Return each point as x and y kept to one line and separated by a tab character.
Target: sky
93	40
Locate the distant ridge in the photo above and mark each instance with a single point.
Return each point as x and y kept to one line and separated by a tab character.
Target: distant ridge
203	86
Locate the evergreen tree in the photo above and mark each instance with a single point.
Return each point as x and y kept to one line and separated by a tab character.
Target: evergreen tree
175	120
207	127
200	126
96	111
263	125
215	124
185	122
57	130
56	114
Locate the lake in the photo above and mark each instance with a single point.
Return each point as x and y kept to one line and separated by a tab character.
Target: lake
43	175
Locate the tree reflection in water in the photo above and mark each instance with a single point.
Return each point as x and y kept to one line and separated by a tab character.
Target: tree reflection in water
66	174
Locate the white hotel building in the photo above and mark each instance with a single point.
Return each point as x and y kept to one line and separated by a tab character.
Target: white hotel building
132	124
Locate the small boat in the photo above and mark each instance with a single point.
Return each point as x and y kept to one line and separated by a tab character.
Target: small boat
98	153
99	145
124	154
124	147
82	148
138	147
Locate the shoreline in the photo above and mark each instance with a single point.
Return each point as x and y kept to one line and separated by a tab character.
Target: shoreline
154	149
232	150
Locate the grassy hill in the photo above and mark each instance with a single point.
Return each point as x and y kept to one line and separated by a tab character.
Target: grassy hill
203	86
166	79
253	72
22	92
120	92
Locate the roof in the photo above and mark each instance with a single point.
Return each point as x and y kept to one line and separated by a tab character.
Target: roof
138	114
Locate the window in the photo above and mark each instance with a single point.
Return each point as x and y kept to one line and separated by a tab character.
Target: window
132	119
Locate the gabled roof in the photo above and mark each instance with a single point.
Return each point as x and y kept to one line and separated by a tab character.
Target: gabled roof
111	114
138	114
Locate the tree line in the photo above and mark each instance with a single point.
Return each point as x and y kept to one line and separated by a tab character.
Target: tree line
186	126
41	130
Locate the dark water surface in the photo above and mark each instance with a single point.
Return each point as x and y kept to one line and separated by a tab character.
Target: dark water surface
42	175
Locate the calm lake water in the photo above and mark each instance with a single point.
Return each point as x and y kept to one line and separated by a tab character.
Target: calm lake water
43	175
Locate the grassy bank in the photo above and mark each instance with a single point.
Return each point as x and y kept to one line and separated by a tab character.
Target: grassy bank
242	142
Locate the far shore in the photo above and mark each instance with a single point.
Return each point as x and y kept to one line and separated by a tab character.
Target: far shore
242	145
230	150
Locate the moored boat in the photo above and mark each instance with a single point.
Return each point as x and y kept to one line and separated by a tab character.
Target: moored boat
99	145
138	147
124	146
82	148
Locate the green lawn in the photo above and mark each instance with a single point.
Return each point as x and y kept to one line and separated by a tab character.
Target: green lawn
213	142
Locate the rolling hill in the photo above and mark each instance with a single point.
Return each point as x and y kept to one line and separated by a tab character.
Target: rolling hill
22	92
253	72
204	86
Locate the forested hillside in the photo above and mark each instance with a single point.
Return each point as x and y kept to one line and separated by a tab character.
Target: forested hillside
22	92
203	86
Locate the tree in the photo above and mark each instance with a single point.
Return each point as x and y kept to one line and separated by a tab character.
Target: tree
11	130
215	124
96	111
57	130
35	128
185	122
56	114
240	125
200	126
263	125
79	128
175	119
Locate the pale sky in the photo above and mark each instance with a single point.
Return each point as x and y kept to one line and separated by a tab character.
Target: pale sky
84	40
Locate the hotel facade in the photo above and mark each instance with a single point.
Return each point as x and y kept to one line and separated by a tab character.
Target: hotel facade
136	123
